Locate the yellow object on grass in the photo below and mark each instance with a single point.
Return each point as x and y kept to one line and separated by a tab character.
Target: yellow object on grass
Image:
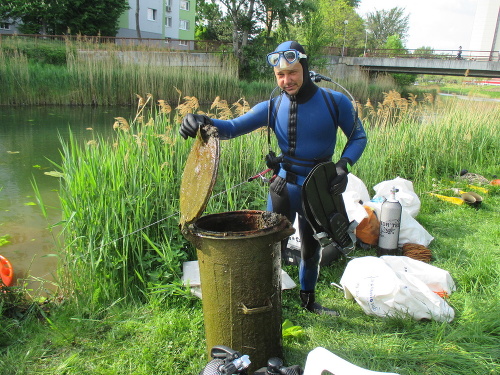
481	189
474	187
454	200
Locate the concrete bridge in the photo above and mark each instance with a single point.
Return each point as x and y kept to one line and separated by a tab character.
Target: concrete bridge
416	65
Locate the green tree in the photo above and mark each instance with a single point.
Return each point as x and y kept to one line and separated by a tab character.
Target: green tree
86	17
252	22
211	24
424	52
395	46
33	17
94	17
341	26
314	36
241	14
282	13
384	23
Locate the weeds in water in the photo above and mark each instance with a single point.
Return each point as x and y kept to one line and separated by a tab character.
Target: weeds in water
4	240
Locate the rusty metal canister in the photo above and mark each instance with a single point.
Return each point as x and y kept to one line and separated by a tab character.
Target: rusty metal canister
239	257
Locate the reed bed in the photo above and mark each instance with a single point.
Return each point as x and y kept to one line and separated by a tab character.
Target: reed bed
429	139
81	72
120	195
114	76
120	200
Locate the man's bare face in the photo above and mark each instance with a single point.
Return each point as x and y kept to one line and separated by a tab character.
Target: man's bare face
290	79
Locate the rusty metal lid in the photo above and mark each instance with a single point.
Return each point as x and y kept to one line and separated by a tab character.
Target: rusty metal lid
200	174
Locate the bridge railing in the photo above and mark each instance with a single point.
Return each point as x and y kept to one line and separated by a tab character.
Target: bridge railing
415	53
122	43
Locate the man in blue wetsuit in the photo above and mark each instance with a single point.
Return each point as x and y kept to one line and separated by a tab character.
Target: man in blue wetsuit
305	119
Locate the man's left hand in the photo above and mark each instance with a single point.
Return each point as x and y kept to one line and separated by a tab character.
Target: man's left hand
191	123
339	183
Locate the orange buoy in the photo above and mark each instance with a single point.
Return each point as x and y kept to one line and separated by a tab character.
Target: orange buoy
6	271
495	182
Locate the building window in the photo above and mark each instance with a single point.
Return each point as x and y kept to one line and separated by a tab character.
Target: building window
184	25
184	5
168	21
183	43
4	26
151	14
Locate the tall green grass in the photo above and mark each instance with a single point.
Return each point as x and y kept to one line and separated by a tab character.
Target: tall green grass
120	200
113	76
420	145
122	244
112	188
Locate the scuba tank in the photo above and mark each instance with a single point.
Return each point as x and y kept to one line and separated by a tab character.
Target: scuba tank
390	223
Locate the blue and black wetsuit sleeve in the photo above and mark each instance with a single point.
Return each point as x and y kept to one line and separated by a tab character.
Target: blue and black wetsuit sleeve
250	121
352	127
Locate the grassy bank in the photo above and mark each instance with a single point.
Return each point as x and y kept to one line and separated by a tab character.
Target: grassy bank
81	73
123	311
466	89
92	74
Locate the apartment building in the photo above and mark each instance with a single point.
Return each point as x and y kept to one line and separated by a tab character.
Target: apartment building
8	27
171	20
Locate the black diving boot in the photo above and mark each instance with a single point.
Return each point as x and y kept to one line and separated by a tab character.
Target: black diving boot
308	303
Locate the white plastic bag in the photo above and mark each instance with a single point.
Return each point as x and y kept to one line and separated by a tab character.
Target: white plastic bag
406	195
355	210
395	286
355	184
319	361
355	194
437	279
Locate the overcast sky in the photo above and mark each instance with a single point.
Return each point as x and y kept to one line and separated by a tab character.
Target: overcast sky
439	24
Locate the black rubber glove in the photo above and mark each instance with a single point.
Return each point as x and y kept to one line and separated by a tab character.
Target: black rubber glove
339	183
191	123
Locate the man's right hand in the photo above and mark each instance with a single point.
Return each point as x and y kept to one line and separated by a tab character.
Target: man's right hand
339	182
191	123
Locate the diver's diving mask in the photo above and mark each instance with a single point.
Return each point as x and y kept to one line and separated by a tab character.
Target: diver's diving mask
284	58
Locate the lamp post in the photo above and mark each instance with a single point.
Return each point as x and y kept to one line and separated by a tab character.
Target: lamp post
345	29
366	40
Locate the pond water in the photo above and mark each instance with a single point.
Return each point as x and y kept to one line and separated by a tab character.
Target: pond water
466	97
29	143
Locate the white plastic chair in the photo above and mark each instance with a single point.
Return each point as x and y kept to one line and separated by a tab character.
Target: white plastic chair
320	359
